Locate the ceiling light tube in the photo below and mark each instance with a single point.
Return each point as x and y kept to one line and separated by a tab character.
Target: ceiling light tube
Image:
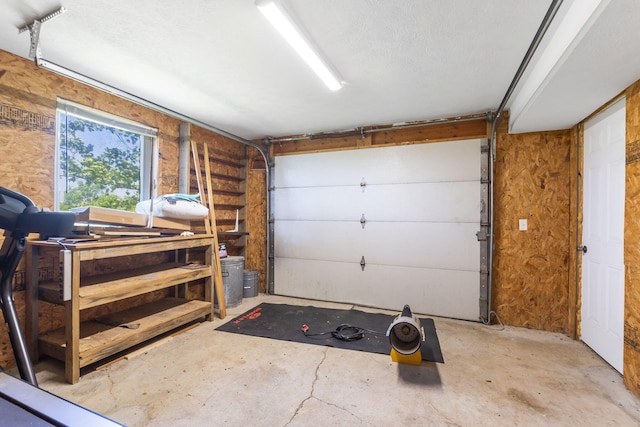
278	17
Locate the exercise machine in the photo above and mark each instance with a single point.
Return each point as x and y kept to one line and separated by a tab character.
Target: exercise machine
19	217
22	402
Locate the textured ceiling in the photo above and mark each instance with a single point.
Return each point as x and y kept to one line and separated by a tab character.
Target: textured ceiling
220	62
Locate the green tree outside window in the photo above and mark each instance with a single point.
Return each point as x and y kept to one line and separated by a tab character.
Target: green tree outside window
100	165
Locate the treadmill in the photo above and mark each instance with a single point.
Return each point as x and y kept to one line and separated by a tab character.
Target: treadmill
21	401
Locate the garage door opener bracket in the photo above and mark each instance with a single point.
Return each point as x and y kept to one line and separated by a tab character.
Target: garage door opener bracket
34	30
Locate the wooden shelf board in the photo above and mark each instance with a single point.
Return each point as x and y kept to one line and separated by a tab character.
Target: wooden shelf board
224	161
227	207
229	221
233	178
227	192
100	339
110	248
106	288
237	163
96	291
93	214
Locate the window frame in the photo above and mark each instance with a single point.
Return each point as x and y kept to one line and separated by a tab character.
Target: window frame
149	150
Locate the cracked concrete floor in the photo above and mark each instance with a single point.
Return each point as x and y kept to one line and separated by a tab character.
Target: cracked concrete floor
490	376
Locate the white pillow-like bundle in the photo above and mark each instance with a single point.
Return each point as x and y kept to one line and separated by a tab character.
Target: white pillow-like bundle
179	206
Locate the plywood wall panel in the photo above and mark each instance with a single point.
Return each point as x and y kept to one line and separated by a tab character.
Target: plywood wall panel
530	279
575	230
6	353
27	156
631	358
256	251
219	145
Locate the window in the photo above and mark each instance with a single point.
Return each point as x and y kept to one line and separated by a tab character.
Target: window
102	160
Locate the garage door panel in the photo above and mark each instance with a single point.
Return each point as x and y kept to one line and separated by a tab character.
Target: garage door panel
328	240
435	292
320	203
433	162
451	246
421	205
400	202
430	202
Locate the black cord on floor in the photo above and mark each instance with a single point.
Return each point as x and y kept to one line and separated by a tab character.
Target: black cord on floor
344	332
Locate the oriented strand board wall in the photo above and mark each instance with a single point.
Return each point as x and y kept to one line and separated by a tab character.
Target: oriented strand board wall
27	146
256	251
631	367
531	268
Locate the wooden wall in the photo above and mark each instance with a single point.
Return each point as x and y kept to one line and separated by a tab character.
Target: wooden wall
531	268
256	251
27	145
631	361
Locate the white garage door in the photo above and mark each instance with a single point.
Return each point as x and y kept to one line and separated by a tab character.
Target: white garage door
381	227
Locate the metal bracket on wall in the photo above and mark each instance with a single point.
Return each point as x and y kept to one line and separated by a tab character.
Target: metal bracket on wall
34	30
363	263
363	221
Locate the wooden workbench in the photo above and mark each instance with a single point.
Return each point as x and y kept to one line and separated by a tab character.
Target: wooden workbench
79	344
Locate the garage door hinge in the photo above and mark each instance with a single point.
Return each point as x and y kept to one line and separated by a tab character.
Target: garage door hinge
363	184
363	263
363	221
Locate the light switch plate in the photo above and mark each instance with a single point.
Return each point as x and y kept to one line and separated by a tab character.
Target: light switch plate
523	225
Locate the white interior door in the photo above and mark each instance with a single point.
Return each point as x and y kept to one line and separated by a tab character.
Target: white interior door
602	321
382	227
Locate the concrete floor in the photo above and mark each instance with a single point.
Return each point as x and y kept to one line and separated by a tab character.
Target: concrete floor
491	376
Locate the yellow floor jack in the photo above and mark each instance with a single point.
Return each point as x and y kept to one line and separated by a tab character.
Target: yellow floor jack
406	335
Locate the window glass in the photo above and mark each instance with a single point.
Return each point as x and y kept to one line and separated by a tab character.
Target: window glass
102	160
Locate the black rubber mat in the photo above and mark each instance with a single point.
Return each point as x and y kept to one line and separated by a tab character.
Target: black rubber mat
284	322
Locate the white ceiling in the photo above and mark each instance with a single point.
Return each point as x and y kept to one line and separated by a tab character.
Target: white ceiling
221	63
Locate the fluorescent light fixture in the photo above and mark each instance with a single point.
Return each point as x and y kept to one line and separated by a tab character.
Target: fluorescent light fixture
274	11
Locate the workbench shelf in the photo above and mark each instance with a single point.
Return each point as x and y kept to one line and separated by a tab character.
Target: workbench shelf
104	337
81	341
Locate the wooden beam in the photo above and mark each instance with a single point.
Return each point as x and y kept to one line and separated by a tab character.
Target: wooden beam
219	287
196	166
385	136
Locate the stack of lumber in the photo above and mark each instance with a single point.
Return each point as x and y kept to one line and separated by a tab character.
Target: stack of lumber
94	220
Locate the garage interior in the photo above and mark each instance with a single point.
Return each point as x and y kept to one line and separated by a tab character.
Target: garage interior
460	164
